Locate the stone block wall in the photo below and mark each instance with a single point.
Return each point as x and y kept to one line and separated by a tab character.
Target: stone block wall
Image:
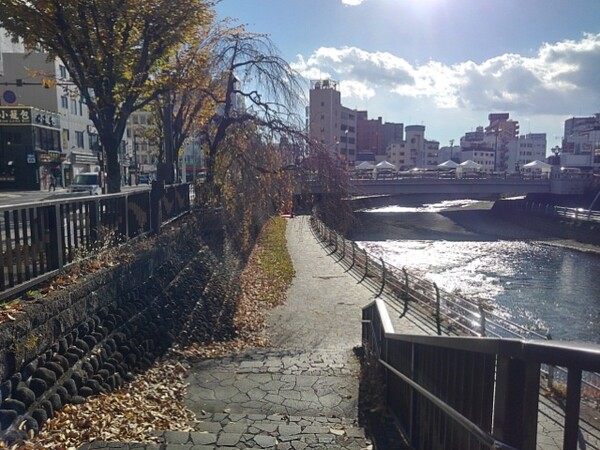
94	335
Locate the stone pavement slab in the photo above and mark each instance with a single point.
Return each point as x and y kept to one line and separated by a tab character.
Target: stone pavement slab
302	393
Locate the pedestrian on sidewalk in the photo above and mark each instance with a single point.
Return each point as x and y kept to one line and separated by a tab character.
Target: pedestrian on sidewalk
52	185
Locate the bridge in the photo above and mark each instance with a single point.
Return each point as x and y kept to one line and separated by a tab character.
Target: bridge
471	187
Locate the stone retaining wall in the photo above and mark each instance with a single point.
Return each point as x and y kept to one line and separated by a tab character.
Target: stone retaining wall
577	230
94	335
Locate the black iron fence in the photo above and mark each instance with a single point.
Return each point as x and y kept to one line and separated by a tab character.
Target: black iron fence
39	239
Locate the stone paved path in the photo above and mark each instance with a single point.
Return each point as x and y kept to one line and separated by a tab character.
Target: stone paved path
300	394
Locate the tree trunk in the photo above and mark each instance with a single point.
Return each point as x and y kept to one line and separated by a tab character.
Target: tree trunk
113	169
111	166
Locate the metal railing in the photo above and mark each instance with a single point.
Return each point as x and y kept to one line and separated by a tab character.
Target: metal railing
474	393
454	315
546	210
39	239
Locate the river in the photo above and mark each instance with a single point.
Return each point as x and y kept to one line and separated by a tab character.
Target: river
533	279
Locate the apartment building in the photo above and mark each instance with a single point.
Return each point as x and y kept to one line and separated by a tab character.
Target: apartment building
330	124
414	151
374	136
525	149
581	143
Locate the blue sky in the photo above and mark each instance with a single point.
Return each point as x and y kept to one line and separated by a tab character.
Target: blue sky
444	64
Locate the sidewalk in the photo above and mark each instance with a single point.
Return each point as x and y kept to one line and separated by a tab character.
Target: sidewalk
302	393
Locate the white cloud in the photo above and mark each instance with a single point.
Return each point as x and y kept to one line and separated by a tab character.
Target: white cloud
562	78
357	89
352	2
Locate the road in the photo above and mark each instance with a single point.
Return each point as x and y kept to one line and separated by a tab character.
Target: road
19	197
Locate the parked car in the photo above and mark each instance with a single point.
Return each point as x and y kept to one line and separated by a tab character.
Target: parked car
86	182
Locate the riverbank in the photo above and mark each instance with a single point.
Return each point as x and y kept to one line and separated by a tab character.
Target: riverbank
463	221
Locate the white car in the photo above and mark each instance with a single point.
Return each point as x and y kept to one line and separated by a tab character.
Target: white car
86	182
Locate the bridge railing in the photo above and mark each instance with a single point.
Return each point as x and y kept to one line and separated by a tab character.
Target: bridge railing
39	239
477	393
547	210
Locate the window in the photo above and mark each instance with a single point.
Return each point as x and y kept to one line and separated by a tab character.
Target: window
73	106
64	101
63	71
79	138
94	142
66	134
81	106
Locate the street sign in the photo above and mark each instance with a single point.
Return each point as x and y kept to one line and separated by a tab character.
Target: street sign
9	96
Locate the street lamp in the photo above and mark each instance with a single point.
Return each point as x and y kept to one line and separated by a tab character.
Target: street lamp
346	138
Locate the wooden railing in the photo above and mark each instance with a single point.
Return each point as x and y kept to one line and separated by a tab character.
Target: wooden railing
39	239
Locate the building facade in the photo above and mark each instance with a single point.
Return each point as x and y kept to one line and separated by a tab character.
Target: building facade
30	149
525	149
330	124
33	81
581	143
415	151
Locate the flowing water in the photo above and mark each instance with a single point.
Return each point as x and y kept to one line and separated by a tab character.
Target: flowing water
543	286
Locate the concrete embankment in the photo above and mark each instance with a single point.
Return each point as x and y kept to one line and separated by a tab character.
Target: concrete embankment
485	220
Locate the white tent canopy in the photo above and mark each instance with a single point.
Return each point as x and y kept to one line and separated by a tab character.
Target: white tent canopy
537	165
385	165
365	165
448	165
469	164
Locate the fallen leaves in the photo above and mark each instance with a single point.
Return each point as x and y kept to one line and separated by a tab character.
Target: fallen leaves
155	400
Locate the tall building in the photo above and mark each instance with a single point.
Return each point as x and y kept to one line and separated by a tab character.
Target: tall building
331	124
581	143
369	134
143	146
500	131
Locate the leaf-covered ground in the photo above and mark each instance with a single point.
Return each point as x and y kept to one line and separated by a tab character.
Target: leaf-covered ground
155	399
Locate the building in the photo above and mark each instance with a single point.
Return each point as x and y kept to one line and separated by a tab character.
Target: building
484	156
500	131
499	148
33	81
581	143
143	147
415	151
30	150
525	149
330	124
373	136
